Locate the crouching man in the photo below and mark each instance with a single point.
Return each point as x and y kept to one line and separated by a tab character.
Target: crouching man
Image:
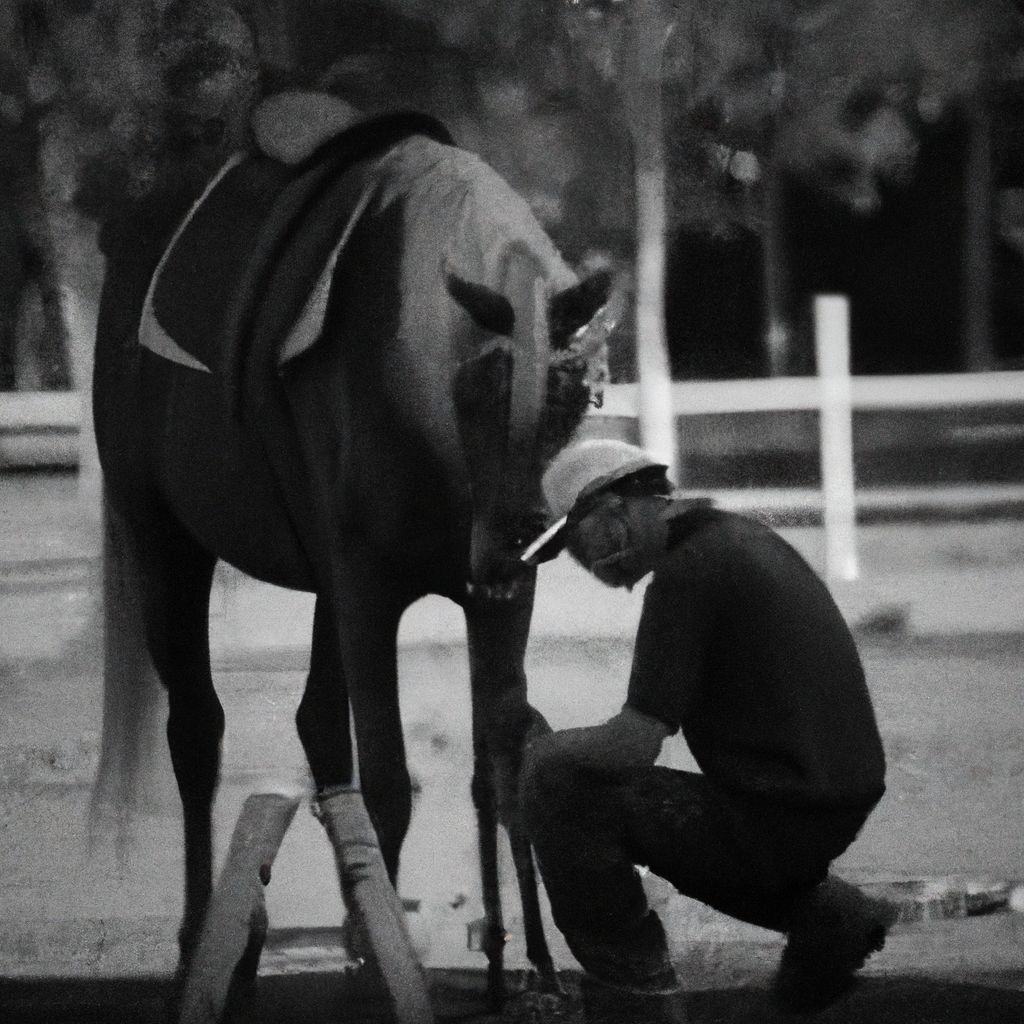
740	646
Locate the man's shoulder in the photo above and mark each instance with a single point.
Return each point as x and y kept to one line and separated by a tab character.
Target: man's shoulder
708	540
695	526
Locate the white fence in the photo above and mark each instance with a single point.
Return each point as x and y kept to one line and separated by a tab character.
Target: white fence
43	428
834	394
778	394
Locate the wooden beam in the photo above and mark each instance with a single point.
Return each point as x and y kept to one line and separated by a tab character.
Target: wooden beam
374	905
226	960
777	394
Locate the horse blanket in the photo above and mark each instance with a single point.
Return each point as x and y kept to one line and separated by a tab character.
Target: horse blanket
259	245
251	269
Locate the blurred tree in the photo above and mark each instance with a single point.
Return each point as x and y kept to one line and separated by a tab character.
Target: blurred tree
834	94
876	92
163	87
499	74
30	312
156	94
106	106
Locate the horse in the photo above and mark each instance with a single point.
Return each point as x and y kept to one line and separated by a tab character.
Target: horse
358	404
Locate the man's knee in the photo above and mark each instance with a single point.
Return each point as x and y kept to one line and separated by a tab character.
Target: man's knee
552	788
548	772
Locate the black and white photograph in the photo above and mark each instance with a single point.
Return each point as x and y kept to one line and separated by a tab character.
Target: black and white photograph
511	511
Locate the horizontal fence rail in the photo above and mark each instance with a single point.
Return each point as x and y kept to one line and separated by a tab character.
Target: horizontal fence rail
55	411
62	410
781	394
40	428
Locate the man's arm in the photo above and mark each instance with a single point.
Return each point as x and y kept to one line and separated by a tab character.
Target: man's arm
628	741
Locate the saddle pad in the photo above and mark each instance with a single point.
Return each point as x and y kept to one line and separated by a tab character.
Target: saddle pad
208	291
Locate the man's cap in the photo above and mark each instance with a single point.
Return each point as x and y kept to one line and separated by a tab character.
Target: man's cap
576	475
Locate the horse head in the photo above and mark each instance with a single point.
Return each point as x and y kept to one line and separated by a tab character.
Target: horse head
519	398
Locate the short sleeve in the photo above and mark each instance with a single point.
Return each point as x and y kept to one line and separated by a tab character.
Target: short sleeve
671	642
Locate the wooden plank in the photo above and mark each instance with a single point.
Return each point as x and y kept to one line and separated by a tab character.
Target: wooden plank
372	901
61	411
54	411
39	428
910	391
235	929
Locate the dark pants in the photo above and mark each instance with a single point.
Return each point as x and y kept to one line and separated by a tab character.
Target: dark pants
745	857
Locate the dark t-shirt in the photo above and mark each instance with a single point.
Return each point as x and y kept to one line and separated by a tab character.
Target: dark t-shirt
741	645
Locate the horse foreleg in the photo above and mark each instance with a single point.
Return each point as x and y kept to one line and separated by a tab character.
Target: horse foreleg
495	936
502	721
177	578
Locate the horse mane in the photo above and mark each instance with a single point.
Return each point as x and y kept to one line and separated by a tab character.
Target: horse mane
568	397
569	386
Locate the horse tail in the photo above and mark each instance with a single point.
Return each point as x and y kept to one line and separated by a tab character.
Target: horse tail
133	774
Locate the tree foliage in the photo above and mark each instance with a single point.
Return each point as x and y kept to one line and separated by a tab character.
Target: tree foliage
868	79
30	317
154	95
837	92
150	95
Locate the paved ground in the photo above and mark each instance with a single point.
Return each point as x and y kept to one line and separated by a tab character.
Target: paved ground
324	998
938	611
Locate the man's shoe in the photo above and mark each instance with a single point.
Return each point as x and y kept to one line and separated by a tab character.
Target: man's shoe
634	959
835	929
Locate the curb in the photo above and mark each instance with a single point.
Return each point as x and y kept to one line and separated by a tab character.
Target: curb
949	926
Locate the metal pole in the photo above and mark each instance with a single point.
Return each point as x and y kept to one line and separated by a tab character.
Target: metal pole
832	349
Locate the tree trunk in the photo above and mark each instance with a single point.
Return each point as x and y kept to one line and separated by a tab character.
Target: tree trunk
647	31
977	248
778	328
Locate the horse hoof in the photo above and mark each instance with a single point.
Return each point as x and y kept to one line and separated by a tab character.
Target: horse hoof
542	1007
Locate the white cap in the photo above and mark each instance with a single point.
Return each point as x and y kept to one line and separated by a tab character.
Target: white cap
576	474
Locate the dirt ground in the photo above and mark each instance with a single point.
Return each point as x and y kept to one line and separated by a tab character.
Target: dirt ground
950	716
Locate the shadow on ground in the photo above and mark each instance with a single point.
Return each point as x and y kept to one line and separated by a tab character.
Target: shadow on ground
323	997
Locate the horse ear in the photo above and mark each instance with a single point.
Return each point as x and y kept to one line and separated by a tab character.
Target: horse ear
488	308
575	307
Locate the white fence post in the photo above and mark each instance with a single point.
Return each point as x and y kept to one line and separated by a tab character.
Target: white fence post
839	513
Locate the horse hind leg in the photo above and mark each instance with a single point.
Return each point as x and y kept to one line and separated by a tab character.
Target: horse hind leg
177	577
322	718
356	653
355	650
